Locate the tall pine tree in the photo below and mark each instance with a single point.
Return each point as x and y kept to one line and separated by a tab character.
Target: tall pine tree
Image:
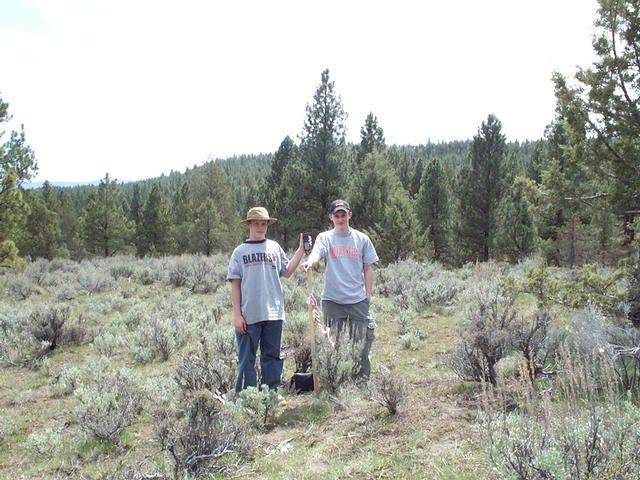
396	236
105	227
280	193
480	191
17	164
182	215
154	232
372	177
433	208
322	153
216	225
517	235
371	138
603	118
371	189
70	226
42	236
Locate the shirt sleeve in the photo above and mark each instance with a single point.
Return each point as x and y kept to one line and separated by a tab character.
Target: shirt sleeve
320	245
369	255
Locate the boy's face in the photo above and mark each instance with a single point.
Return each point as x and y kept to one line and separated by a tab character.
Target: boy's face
340	219
257	229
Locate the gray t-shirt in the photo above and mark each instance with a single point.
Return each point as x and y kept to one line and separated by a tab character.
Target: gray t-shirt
345	257
259	265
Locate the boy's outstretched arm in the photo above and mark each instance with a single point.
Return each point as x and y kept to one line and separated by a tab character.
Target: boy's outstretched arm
295	260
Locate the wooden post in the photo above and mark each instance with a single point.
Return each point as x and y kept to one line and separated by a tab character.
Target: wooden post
312	332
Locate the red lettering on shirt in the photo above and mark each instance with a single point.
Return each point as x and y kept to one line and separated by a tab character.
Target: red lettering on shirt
338	251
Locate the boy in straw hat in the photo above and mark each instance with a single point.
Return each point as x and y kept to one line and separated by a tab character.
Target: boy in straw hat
255	269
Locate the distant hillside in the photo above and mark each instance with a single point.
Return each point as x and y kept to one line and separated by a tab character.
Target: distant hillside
34	185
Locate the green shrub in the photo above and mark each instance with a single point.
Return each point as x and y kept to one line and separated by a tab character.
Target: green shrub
37	270
17	344
415	285
211	366
64	380
202	279
179	271
94	281
158	337
66	293
577	427
107	343
6	427
20	287
616	339
149	271
108	402
411	340
47	443
486	332
260	406
198	434
439	291
337	364
295	295
387	389
47	324
405	320
122	267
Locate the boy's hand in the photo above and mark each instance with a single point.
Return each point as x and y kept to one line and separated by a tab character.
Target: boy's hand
240	325
301	242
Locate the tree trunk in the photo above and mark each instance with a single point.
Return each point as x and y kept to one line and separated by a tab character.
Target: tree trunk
634	311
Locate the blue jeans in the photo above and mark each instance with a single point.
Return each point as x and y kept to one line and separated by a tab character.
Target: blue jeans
268	336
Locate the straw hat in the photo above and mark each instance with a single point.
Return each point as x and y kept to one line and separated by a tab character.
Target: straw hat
258	213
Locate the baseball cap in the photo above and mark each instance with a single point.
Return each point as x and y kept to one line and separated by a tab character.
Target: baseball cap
339	205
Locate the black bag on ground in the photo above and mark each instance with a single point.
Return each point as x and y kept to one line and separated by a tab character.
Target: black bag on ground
302	382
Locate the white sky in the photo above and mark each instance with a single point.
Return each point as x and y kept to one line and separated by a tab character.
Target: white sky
137	88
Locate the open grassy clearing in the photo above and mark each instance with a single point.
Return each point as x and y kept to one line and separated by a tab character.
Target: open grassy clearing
433	435
125	314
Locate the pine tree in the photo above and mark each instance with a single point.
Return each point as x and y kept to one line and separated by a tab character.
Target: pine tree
216	225
396	235
105	228
371	138
433	208
322	153
69	226
407	168
154	234
480	190
516	231
42	237
603	119
135	216
279	193
17	164
371	189
182	215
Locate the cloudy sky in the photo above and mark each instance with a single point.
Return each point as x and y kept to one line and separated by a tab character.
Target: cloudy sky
138	88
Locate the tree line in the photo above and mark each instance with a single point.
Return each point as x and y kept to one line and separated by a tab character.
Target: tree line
401	195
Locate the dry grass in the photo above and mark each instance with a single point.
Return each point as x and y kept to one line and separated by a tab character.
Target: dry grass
433	436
